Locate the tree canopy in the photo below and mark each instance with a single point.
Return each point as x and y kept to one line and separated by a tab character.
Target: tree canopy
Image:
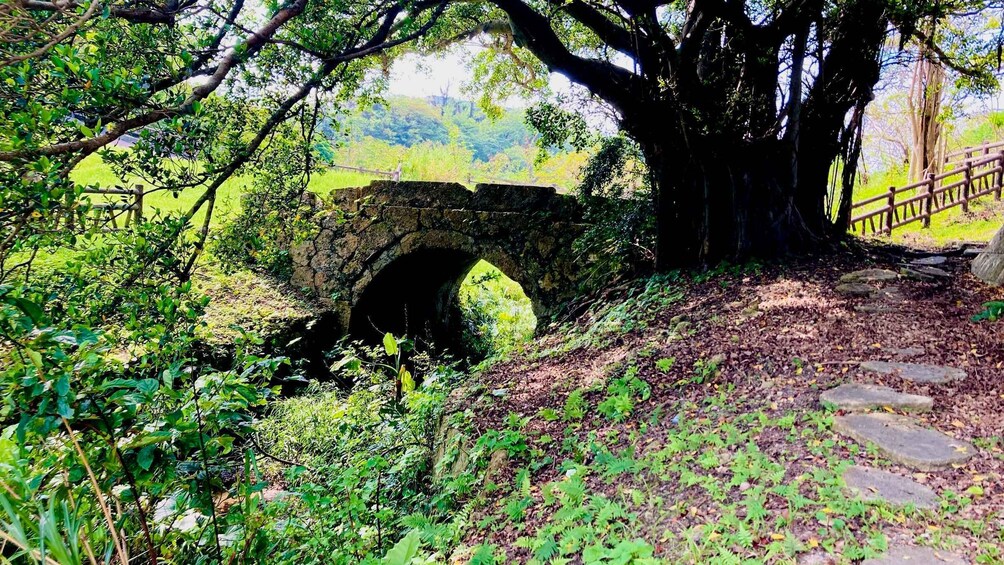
741	108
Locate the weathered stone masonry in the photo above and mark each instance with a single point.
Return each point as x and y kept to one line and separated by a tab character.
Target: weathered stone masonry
391	256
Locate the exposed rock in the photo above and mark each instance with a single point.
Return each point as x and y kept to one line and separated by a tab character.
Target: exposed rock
817	558
926	273
932	261
870	276
900	439
498	462
912	555
918	373
989	265
877	485
856	289
854	397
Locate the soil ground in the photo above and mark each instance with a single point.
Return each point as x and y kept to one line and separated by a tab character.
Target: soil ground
695	414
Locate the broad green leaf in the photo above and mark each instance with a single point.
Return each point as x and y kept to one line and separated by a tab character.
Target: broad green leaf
145	457
405	550
407	381
390	344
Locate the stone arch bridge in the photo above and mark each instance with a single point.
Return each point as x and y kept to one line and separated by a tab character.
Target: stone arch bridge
390	257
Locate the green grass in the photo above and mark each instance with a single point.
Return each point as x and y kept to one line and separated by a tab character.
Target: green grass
94	171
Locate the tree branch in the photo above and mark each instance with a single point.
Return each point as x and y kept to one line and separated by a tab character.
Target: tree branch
533	31
152	14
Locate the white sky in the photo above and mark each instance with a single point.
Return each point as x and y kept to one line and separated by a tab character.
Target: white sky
414	75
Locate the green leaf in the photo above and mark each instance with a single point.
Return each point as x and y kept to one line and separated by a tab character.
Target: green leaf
407	381
390	344
547	550
405	550
145	457
62	385
148	386
36	359
30	309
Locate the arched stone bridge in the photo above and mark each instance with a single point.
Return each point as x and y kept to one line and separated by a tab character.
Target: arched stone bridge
391	256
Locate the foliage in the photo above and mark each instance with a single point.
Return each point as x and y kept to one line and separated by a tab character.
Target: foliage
274	214
406	122
497	316
363	472
109	424
992	311
617	198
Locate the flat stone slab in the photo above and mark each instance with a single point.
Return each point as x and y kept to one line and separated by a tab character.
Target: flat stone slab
877	485
916	372
856	289
913	555
870	276
926	273
932	261
854	397
900	439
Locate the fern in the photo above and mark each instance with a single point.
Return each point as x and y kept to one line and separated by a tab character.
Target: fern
483	555
575	405
547	549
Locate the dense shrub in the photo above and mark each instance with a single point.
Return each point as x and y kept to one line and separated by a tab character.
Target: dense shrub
617	199
359	465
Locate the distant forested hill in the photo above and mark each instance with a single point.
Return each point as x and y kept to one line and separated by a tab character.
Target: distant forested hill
406	121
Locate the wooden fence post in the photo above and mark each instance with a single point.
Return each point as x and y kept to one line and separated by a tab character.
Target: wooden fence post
967	187
999	178
891	210
929	200
137	210
397	172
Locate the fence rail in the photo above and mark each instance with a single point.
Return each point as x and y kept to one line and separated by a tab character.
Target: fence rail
979	173
110	214
394	175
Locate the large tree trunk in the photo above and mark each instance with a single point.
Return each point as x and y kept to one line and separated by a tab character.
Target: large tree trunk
718	201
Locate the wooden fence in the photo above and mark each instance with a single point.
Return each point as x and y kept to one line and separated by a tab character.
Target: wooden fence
969	174
394	175
125	207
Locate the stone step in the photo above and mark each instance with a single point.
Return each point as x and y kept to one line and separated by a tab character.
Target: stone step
856	289
914	555
916	372
926	273
877	485
930	261
870	276
902	440
855	397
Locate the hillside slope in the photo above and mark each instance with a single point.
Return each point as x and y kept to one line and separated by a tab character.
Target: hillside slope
680	421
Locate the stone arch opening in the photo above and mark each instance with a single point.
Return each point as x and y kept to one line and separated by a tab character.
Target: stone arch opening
417	295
